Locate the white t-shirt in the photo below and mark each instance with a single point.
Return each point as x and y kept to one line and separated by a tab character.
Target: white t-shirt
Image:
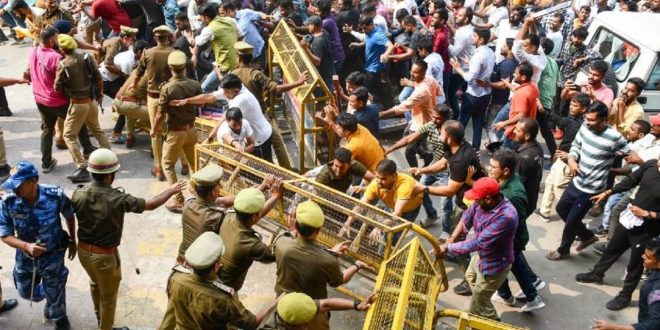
251	112
124	61
241	137
504	31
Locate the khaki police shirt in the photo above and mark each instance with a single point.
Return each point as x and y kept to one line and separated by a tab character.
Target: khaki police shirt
256	82
112	46
153	64
243	245
72	77
274	322
100	211
176	89
199	304
48	18
303	266
198	216
140	93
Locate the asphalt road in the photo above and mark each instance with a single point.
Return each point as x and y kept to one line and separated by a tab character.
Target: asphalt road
150	242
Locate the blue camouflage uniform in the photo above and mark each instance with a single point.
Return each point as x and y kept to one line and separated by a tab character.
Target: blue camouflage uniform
40	222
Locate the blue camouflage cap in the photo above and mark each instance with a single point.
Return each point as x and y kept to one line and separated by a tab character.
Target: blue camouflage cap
24	170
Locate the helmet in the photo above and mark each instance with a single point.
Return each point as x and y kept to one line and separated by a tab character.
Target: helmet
103	161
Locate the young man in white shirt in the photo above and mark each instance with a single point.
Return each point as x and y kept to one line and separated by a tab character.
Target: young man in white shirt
236	131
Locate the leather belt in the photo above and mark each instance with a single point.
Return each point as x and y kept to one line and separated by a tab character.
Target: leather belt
179	128
154	95
127	99
80	101
97	249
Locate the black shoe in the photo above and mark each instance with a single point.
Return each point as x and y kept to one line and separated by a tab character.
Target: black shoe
80	176
47	168
120	328
600	231
62	324
493	146
463	289
600	248
618	303
5	112
589	277
596	210
4	171
8	305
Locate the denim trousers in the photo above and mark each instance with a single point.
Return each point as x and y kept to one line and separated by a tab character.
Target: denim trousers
474	107
523	275
572	207
429	179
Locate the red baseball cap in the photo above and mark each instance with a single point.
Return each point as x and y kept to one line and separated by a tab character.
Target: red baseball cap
655	120
482	188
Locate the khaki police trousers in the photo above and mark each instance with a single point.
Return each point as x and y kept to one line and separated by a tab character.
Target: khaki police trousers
483	287
104	272
137	115
555	184
176	143
156	142
77	116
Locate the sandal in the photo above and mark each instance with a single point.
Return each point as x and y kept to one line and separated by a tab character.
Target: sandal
556	256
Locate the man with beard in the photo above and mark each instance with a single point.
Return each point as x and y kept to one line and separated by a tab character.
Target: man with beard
458	157
554	33
431	132
236	131
595	88
626	109
339	173
508	29
530	160
590	170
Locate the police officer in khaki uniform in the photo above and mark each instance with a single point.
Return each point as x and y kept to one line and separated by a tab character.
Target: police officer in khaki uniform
153	64
132	103
296	310
243	245
304	266
100	211
181	134
200	301
112	47
258	83
52	14
73	79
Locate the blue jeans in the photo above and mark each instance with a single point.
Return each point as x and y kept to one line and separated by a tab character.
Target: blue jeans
607	212
523	275
429	179
572	207
170	10
211	82
49	282
474	107
502	115
410	216
404	95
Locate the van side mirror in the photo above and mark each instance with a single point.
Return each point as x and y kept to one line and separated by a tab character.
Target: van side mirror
641	100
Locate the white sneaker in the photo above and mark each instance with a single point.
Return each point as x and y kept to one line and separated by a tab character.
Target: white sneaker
497	298
428	221
539	284
533	305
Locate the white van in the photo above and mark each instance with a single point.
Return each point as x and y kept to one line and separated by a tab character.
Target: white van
630	43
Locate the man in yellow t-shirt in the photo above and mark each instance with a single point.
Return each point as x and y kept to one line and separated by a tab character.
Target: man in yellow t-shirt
363	145
398	191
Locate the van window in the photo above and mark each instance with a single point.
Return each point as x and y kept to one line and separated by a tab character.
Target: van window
653	83
619	53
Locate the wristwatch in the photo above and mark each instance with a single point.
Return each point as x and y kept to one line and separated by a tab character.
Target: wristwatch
426	189
356	303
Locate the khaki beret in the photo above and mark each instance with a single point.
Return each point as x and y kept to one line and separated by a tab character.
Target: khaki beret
249	200
310	214
162	30
243	48
66	41
177	59
208	176
127	30
296	308
205	250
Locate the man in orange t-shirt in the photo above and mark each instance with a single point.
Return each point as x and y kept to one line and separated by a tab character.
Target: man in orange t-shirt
523	103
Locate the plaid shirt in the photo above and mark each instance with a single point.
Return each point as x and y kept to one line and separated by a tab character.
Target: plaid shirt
494	234
568	56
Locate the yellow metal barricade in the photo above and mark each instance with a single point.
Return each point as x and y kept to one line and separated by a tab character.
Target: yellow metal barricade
301	103
408	286
243	170
204	127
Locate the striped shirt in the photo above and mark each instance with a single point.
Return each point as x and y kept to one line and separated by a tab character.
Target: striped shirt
432	134
595	154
